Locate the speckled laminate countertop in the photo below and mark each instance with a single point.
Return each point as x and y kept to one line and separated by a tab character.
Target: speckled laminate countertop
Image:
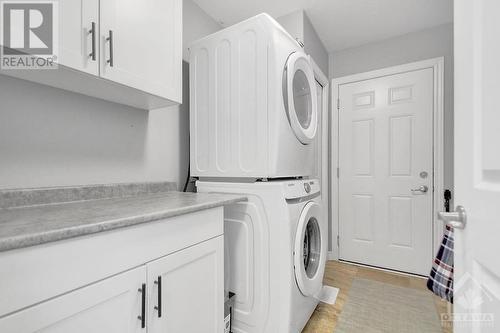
24	226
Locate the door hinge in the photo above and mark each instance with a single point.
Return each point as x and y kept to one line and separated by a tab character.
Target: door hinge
338	172
338	103
338	240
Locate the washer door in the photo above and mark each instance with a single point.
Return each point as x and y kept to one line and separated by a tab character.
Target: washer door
299	92
310	250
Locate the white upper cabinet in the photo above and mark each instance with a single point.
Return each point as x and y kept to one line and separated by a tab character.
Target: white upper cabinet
141	45
124	51
79	35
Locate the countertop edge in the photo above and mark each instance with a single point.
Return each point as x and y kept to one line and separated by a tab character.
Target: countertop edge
30	240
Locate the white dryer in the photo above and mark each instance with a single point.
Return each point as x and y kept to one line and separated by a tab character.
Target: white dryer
253	106
276	248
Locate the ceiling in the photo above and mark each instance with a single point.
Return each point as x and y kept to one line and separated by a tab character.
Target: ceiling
342	24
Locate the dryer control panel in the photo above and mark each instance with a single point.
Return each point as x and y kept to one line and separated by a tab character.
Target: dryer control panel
297	189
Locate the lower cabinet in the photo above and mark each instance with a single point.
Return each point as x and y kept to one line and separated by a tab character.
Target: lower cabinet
180	292
110	306
186	291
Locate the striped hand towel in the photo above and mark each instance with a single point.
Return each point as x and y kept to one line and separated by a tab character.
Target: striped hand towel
440	280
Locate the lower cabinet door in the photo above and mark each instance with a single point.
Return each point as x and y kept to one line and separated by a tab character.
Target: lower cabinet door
186	290
109	306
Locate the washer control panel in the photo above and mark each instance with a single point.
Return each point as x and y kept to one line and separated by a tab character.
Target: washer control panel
301	188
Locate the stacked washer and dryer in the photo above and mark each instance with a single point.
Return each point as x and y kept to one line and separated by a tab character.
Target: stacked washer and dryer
253	122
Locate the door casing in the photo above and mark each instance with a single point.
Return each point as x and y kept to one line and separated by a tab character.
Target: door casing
322	79
437	64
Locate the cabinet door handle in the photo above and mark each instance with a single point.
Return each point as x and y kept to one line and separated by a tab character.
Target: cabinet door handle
158	307
142	317
92	32
110	41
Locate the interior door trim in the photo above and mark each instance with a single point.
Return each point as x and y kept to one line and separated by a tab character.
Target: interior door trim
323	80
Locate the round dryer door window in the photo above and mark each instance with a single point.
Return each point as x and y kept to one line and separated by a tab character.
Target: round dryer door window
300	97
310	250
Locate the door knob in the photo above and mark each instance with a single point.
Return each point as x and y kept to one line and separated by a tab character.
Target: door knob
456	219
422	189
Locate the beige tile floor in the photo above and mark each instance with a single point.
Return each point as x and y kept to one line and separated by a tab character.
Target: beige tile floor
341	275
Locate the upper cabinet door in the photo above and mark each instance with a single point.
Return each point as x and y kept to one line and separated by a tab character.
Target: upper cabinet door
76	47
141	45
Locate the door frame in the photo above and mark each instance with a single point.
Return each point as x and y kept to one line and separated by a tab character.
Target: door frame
325	188
437	64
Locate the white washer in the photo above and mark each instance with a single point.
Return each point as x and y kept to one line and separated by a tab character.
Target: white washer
275	253
253	106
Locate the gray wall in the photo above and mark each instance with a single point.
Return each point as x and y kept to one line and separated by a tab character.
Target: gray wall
299	26
426	44
51	137
293	23
314	46
196	24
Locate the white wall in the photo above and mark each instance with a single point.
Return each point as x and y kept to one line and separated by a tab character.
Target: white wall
51	137
426	44
299	26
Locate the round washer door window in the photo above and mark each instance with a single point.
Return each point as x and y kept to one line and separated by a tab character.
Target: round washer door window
310	250
300	97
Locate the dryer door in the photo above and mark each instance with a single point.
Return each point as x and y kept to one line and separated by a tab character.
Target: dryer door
299	92
310	250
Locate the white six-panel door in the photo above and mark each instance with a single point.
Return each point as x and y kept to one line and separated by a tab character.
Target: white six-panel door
385	152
